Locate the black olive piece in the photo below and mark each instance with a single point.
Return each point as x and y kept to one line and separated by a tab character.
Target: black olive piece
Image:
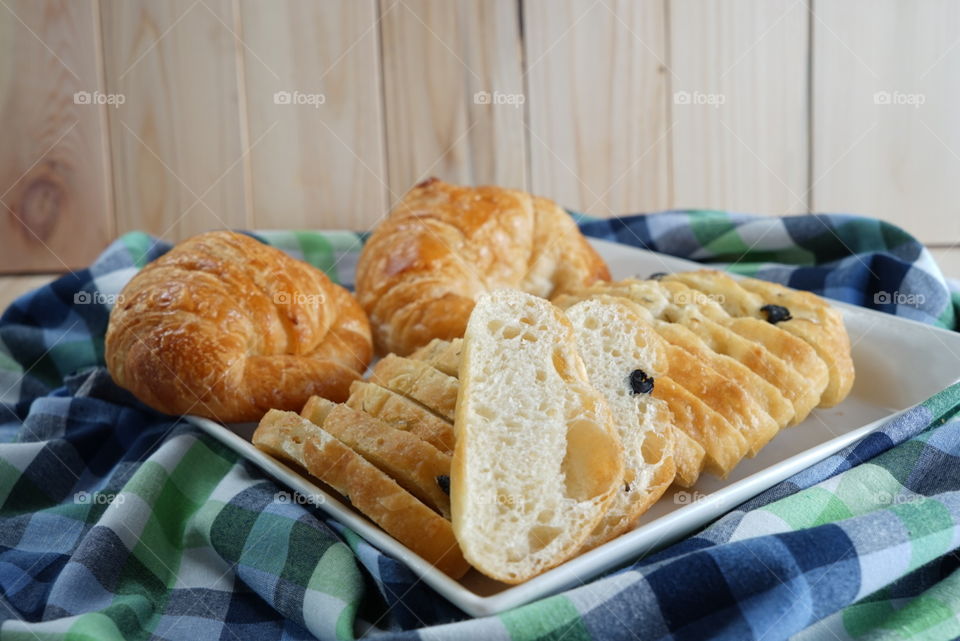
640	383
776	313
657	276
444	482
626	487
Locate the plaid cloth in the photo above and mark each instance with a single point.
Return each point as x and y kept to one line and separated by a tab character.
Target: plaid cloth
117	522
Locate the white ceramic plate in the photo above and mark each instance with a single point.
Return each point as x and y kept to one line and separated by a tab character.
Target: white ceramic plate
899	363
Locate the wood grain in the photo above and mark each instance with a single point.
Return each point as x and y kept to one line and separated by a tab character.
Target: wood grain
176	141
440	59
886	138
316	165
739	105
54	179
597	98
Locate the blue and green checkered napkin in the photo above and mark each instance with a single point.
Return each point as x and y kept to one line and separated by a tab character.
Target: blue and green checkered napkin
120	523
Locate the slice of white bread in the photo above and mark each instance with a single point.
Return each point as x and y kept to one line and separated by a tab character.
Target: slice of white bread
723	444
768	396
402	413
616	344
795	352
658	300
537	460
290	437
316	409
820	325
441	354
430	351
791	383
420	382
689	457
417	466
724	396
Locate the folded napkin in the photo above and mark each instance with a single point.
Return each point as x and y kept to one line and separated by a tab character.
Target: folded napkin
117	522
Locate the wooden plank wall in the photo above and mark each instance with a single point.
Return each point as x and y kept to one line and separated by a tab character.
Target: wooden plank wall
187	115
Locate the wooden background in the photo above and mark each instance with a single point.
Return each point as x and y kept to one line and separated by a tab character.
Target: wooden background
609	107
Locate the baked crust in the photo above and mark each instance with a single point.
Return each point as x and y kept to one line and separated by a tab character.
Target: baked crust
409	460
418	381
443	245
812	320
402	413
290	437
227	327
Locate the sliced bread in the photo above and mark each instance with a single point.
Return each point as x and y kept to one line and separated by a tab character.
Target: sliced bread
292	438
688	456
417	466
402	413
618	349
820	325
538	459
441	354
768	396
420	382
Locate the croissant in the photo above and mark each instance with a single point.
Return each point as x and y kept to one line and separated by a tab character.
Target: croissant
443	245
226	327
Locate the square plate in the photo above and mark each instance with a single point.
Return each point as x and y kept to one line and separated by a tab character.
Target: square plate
884	347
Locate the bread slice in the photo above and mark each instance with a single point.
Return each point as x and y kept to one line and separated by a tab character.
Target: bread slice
420	382
812	320
615	342
316	409
790	349
688	456
766	395
402	413
430	350
722	442
290	437
820	325
658	300
538	459
417	466
441	354
791	383
724	396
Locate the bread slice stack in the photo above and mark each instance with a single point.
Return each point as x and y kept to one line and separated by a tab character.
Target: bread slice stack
550	428
746	357
369	488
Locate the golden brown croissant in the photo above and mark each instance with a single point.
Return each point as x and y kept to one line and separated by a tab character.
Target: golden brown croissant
226	327
444	245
